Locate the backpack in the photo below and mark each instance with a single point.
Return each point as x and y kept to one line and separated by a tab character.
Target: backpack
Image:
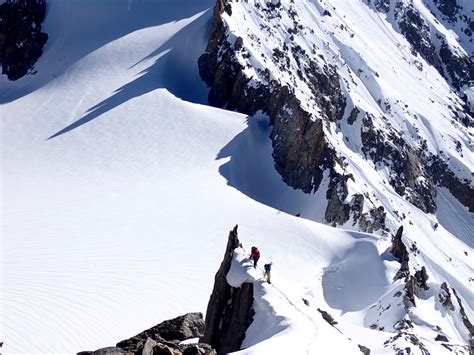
267	267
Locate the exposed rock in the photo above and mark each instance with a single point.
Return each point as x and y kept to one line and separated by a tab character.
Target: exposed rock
161	349
112	350
337	211
445	297
364	350
163	339
411	290
417	33
404	330
421	277
447	7
459	68
440	337
229	311
199	349
409	175
373	220
462	190
400	251
467	323
21	36
353	116
190	325
327	317
301	150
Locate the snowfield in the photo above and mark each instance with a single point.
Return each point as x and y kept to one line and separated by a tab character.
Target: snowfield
119	186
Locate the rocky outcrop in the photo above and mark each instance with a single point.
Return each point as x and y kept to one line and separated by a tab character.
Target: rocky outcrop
163	338
21	36
408	173
229	311
400	251
461	189
417	33
188	326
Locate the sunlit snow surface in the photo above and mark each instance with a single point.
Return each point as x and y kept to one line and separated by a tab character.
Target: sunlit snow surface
119	187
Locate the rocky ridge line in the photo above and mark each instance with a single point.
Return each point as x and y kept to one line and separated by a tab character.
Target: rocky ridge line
21	36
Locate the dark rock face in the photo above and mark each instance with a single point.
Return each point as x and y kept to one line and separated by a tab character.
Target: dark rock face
445	297
447	7
400	251
462	190
327	317
373	220
163	339
229	312
364	350
300	150
460	69
21	38
467	323
406	165
104	351
440	337
451	11
447	301
415	30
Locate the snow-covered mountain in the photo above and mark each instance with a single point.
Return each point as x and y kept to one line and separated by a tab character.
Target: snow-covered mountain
120	182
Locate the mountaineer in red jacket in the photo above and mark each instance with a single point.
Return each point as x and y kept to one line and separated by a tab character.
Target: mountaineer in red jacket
255	255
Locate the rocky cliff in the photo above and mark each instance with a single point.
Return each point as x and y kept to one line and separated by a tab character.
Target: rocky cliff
270	57
21	36
229	311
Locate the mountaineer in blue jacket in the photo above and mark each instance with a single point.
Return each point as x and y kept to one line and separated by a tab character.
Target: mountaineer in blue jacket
268	268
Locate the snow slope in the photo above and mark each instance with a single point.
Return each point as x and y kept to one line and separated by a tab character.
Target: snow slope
118	188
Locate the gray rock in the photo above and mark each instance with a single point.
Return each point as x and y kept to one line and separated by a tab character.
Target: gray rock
327	317
229	311
163	338
161	349
440	337
20	22
364	350
199	349
112	350
445	297
400	251
190	325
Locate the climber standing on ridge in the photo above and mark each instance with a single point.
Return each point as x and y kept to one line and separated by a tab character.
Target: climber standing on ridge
268	268
255	255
